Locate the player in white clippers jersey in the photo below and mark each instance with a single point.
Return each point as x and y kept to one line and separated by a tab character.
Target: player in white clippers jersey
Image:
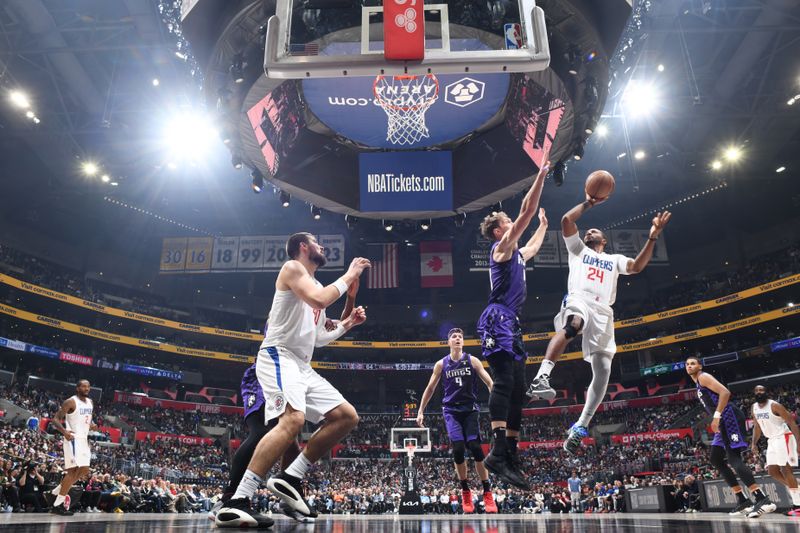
777	424
293	391
586	309
74	421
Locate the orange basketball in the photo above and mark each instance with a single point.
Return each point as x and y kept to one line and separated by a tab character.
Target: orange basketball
600	184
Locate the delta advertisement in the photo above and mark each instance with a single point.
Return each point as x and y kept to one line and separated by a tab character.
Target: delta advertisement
406	181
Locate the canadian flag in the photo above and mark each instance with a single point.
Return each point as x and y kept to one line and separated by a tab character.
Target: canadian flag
436	263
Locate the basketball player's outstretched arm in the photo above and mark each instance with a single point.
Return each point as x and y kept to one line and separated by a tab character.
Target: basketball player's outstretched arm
295	277
530	204
426	396
57	422
788	417
531	247
326	336
710	382
352	290
482	373
659	221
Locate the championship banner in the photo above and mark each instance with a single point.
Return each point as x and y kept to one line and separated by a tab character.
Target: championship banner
562	249
191	440
198	253
173	254
660	256
146	401
436	264
623	241
334	251
251	253
667	434
547	256
225	253
479	256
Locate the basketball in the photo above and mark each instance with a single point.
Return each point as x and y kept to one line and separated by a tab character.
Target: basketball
600	184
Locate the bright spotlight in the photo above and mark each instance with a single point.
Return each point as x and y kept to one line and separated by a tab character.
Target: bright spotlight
602	130
90	168
316	212
733	154
285	199
640	98
29	114
19	99
156	82
189	137
640	154
661	67
387	225
106	178
716	164
780	169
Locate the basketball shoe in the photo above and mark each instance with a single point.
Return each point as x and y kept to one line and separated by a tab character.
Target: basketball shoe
488	503
61	510
466	501
540	389
743	508
762	506
505	469
290	491
237	514
576	435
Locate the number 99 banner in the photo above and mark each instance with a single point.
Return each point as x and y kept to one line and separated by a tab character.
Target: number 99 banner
264	253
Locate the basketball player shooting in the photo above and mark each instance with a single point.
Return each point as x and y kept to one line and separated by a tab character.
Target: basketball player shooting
293	391
459	373
777	424
499	327
586	309
76	413
729	441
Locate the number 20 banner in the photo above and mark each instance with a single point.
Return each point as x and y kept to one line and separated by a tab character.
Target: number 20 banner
258	253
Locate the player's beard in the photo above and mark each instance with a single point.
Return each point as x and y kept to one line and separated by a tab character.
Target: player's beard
317	258
591	243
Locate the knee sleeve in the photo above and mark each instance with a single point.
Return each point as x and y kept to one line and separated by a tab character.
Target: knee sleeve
745	474
573	326
516	401
718	460
476	450
503	376
459	451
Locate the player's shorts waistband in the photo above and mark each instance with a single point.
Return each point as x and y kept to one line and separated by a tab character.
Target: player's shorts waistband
503	308
587	297
281	351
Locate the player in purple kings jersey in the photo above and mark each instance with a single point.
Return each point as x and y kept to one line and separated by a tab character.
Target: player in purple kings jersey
728	425
499	328
253	398
459	373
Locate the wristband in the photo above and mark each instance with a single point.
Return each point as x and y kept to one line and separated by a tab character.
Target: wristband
717	414
652	239
340	285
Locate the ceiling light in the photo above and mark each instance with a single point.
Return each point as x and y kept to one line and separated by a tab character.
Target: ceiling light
559	172
156	83
791	101
602	130
620	156
236	161
29	114
114	184
258	180
90	168
285	197
716	164
640	154
105	178
578	152
387	225
459	219
733	154
661	67
19	99
780	169
351	221
237	68
640	98
425	225
189	136
316	212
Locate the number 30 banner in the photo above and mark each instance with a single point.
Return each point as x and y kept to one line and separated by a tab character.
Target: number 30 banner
260	253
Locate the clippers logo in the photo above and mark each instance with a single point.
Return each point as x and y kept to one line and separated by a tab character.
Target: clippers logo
464	92
277	402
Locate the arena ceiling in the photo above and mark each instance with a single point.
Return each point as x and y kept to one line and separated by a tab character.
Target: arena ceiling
729	71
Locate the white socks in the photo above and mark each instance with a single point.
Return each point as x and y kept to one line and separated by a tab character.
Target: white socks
59	500
795	494
248	485
601	372
545	368
299	466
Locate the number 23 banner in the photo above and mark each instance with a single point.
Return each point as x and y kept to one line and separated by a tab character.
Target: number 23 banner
262	253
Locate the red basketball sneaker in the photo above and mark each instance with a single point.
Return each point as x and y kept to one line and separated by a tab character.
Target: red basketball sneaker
466	501
488	503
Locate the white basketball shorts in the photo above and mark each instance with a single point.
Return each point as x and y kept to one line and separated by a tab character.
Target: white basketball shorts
782	451
288	379
76	452
598	325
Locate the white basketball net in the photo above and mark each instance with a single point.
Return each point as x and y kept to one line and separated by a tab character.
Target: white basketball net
405	99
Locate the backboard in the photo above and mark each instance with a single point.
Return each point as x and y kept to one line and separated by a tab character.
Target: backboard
402	437
338	38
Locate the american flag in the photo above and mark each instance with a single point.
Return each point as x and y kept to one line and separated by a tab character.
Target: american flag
384	271
309	49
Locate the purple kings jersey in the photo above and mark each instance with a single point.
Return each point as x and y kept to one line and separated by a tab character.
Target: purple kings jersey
252	395
507	281
460	384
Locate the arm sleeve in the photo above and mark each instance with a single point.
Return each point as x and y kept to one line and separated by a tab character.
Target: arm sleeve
574	244
324	336
622	264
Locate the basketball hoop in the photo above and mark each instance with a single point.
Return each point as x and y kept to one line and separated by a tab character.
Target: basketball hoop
410	449
405	99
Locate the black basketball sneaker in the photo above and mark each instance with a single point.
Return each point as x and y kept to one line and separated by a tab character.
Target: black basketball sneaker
61	510
238	514
290	491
